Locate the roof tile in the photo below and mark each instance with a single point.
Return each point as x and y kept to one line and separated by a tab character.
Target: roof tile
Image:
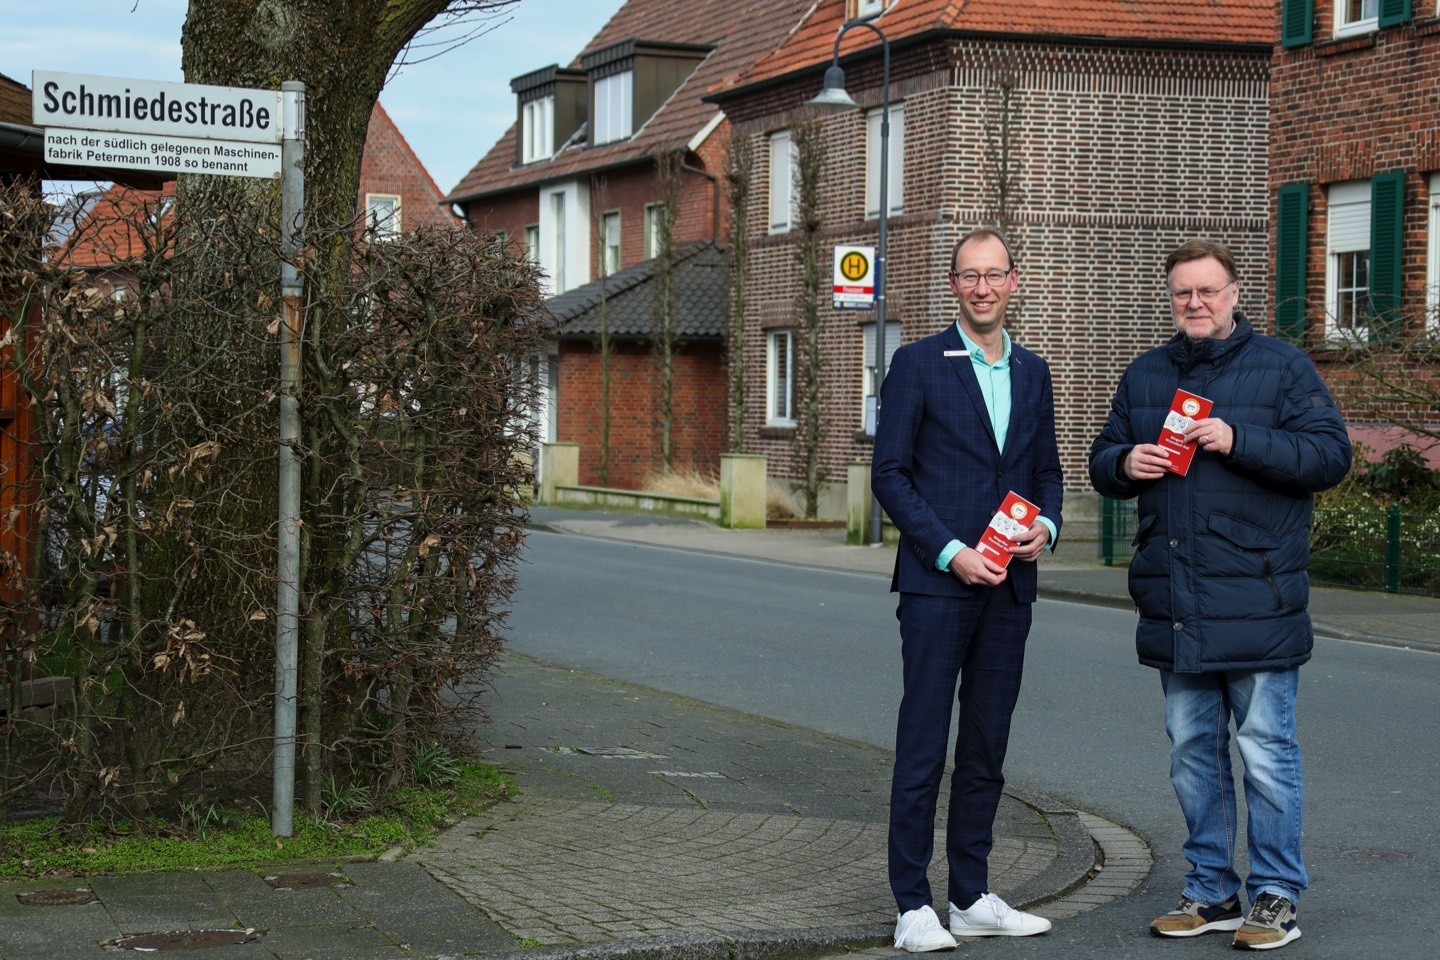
1209	21
739	30
702	291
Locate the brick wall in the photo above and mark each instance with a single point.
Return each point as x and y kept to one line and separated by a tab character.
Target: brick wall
627	189
698	420
1122	154
1346	110
388	165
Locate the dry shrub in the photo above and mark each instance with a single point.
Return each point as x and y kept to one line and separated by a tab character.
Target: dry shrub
683	482
781	500
153	583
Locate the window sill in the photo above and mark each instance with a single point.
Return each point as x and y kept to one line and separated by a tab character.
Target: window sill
1343	45
862	437
776	432
1425	28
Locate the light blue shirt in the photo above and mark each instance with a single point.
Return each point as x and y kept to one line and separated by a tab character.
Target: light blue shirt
994	380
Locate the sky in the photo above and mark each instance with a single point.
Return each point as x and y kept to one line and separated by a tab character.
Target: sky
451	107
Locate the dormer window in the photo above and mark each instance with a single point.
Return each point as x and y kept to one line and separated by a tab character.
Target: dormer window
614	107
551	107
865	9
630	80
537	129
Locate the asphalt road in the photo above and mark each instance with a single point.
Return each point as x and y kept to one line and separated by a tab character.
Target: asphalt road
819	649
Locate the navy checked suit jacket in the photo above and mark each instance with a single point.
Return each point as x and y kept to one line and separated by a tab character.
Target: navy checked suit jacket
936	469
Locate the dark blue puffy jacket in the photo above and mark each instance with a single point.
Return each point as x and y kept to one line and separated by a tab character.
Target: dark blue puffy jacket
1219	573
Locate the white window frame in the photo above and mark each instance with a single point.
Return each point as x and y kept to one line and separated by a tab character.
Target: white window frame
653	214
784	198
532	242
865	9
1347	231
610	243
780	377
1432	275
1365	23
565	236
382	216
614	107
538	129
895	195
867	365
557	239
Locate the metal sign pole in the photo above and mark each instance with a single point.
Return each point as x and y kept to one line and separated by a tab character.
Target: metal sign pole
287	591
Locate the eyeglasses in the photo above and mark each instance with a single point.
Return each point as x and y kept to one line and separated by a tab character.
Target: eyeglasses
1206	294
972	278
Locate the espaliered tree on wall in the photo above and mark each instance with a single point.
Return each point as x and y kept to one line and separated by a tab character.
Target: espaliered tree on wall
668	172
739	173
809	170
1004	172
1394	379
599	201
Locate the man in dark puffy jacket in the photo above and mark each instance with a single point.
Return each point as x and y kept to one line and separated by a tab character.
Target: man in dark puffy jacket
1220	579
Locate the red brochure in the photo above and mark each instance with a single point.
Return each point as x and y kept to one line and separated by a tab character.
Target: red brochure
1014	517
1185	409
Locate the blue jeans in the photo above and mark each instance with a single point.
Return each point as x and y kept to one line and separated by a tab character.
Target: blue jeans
1198	709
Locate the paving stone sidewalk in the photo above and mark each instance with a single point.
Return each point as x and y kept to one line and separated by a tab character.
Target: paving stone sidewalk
651	821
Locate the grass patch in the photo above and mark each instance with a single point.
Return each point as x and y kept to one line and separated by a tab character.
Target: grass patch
236	840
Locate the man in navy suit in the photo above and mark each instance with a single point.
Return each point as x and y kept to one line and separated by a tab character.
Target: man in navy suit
966	416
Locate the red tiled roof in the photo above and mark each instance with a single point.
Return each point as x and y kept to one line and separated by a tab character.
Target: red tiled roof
739	30
1207	21
107	236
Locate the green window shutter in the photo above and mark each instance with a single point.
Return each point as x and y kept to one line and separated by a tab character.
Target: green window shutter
1292	229
1387	226
1394	12
1297	22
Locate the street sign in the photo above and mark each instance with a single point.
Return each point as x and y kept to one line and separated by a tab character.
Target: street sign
155	107
169	155
854	283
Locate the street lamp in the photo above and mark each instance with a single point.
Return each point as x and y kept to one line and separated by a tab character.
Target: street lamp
833	98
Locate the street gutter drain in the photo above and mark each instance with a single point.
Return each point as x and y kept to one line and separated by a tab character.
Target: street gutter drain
306	881
186	940
55	898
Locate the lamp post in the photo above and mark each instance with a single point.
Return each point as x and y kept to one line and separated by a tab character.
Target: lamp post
832	97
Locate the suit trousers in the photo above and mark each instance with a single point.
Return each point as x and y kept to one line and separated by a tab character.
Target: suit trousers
978	640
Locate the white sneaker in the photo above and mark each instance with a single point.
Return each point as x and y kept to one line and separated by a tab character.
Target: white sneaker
992	917
919	931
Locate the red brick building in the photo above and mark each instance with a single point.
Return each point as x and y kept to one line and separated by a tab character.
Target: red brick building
575	182
1355	188
1114	130
397	193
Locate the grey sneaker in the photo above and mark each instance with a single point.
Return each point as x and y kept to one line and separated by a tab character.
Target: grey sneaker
1272	923
1190	919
